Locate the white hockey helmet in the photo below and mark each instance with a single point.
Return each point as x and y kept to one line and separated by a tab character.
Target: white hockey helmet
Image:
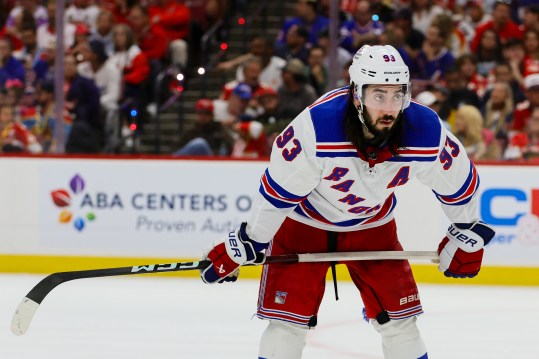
379	65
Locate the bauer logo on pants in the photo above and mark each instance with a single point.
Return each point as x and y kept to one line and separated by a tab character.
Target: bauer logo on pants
280	297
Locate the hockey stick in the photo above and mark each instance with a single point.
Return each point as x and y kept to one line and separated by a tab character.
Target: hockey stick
29	305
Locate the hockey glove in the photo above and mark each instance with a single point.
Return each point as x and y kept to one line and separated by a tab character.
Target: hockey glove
461	251
227	257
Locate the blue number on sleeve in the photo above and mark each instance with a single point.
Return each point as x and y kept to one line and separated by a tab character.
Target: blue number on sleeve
287	135
445	156
289	155
282	140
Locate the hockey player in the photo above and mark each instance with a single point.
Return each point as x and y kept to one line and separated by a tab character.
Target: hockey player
330	186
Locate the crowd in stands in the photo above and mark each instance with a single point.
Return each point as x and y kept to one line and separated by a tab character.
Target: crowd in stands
476	63
113	52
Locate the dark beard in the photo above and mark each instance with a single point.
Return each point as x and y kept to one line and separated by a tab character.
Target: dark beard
355	134
380	136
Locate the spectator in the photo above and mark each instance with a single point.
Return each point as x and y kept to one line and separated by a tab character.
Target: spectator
27	110
82	12
530	18
207	137
463	27
489	52
82	38
271	65
82	101
441	104
10	67
103	30
251	142
513	53
150	37
502	73
46	35
262	48
532	133
231	110
295	45
249	136
108	80
29	49
498	112
44	129
467	65
429	99
436	98
456	41
131	62
273	124
251	74
458	94
43	66
33	7
524	109
434	59
14	93
501	23
214	11
306	15
317	73
342	56
478	142
475	15
175	18
119	8
362	29
525	145
411	37
531	47
14	137
423	12
13	33
296	93
94	65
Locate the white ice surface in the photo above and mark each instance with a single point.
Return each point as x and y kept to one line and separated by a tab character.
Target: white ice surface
143	317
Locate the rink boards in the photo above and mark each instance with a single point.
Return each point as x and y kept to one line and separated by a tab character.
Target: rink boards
75	213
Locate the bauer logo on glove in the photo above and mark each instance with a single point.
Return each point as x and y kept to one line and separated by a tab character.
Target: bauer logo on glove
461	251
227	257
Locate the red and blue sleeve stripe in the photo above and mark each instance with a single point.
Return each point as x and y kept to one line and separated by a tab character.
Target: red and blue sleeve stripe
277	195
465	193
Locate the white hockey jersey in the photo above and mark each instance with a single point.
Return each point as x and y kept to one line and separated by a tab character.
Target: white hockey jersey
317	177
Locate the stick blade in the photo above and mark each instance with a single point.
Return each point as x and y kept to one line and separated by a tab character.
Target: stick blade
23	316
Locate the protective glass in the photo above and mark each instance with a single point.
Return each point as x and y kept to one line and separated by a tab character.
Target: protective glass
384	98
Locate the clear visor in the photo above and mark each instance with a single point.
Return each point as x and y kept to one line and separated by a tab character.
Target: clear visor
387	98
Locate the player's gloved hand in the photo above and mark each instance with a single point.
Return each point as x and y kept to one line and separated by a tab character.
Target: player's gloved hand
227	257
461	251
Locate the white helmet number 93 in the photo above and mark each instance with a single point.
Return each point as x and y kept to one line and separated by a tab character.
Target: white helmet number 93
381	65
